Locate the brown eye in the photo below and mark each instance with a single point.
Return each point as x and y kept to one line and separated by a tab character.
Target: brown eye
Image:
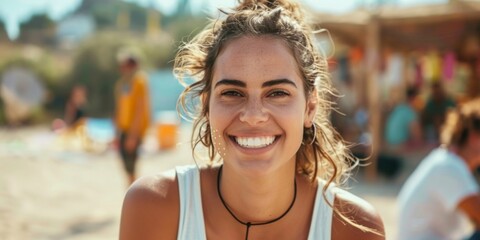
231	93
278	93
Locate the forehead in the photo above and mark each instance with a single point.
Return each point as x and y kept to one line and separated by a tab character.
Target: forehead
259	57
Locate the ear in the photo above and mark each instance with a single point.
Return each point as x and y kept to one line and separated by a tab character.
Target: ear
311	109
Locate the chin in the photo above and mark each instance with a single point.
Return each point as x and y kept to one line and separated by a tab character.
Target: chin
257	167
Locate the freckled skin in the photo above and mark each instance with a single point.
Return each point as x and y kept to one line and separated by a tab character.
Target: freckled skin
218	145
256	110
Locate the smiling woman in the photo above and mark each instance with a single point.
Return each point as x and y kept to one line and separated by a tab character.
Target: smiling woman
264	99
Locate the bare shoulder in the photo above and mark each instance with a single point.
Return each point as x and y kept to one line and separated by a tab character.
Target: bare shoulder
151	208
360	213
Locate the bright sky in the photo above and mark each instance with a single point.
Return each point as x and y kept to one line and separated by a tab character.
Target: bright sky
12	12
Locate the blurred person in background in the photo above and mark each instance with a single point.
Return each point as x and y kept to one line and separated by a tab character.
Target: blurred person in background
74	109
442	196
403	135
433	114
132	110
262	107
74	115
403	130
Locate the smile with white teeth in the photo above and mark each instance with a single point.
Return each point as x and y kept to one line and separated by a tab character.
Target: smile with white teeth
254	142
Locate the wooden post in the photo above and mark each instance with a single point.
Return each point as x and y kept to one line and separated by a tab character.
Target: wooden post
373	94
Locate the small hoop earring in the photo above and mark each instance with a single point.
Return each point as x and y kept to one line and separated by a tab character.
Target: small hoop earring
314	135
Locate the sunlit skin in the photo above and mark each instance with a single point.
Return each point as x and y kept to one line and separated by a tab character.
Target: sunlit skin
257	91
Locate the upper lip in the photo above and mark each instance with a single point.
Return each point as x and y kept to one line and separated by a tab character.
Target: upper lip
253	133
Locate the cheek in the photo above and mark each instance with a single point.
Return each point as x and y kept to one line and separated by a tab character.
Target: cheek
221	115
218	142
218	119
293	115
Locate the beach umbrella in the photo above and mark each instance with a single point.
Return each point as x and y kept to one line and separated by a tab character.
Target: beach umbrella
21	92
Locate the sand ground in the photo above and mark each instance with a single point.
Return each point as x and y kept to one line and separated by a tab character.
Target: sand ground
50	191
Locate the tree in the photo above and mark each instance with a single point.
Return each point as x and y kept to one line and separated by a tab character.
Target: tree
38	29
3	31
107	13
38	21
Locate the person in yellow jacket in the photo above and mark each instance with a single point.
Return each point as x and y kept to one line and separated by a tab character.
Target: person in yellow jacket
132	115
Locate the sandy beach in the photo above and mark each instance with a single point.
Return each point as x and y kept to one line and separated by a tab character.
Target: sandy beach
49	191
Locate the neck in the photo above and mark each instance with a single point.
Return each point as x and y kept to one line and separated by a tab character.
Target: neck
257	199
465	155
128	76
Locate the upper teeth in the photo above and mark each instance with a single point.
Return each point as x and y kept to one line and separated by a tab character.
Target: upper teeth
254	142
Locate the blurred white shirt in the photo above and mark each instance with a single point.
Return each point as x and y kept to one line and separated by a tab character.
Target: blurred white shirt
429	199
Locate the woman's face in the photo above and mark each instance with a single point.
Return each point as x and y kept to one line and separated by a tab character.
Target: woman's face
258	107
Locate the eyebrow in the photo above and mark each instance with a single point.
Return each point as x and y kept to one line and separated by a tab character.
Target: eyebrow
270	83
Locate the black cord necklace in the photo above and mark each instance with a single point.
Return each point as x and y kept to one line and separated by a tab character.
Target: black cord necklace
249	224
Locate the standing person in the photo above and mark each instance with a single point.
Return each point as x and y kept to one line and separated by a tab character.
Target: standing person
442	190
263	97
132	111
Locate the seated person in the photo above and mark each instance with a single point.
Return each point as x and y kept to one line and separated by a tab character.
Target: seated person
402	126
442	194
74	109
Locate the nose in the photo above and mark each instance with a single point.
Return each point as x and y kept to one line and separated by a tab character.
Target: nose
253	113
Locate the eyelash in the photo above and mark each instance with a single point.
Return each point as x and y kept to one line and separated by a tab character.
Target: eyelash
278	93
231	93
274	93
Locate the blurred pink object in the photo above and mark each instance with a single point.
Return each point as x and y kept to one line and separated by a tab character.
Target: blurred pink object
448	66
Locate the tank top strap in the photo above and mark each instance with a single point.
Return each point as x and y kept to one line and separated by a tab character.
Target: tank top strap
321	223
191	223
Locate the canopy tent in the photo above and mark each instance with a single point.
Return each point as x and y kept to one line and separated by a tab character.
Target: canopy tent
409	28
451	26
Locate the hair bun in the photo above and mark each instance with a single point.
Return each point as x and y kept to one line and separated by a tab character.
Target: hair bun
291	7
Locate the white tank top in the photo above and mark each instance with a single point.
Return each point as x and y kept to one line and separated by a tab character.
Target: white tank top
192	226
